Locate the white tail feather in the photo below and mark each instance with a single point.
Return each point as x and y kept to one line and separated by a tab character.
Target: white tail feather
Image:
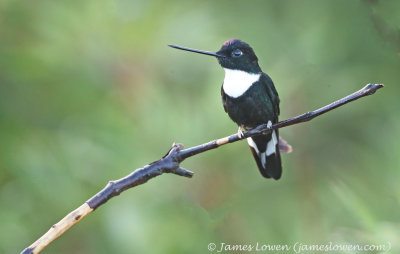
271	146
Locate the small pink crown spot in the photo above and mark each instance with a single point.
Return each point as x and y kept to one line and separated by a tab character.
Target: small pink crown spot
230	41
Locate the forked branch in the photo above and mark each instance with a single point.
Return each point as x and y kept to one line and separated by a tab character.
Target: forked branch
170	163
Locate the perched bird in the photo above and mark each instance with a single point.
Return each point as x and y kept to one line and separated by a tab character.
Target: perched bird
250	99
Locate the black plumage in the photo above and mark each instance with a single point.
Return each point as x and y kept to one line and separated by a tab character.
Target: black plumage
250	99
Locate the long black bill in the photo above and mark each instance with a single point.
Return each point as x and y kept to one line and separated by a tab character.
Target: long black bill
197	51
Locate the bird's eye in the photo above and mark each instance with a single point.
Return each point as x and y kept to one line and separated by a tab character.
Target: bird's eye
237	53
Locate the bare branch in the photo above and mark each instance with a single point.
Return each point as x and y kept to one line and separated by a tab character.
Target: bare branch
263	129
170	163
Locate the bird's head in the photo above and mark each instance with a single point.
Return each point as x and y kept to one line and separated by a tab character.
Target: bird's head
234	54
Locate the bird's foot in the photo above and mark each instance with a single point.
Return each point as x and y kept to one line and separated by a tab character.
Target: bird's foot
240	132
269	124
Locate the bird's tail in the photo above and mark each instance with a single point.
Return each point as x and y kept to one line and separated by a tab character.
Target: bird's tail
265	149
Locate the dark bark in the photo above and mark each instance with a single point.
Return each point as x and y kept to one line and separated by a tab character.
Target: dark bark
171	161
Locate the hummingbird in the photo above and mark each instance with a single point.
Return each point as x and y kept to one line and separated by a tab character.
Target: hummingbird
250	99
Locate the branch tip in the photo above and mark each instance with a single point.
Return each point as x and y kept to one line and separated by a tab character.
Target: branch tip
371	88
183	172
177	145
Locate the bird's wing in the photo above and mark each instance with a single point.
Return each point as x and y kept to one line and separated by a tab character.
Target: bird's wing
272	94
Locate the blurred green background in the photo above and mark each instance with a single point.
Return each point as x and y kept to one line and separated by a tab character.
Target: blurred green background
90	91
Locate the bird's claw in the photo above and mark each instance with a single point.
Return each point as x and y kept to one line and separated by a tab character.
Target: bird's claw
240	132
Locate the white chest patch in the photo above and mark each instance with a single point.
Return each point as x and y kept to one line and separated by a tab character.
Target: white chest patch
237	82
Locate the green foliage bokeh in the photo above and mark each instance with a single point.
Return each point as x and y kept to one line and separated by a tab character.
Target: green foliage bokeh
90	91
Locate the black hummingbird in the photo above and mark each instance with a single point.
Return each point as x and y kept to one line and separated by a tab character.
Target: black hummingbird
250	99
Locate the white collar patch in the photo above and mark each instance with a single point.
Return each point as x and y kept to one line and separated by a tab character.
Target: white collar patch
237	82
